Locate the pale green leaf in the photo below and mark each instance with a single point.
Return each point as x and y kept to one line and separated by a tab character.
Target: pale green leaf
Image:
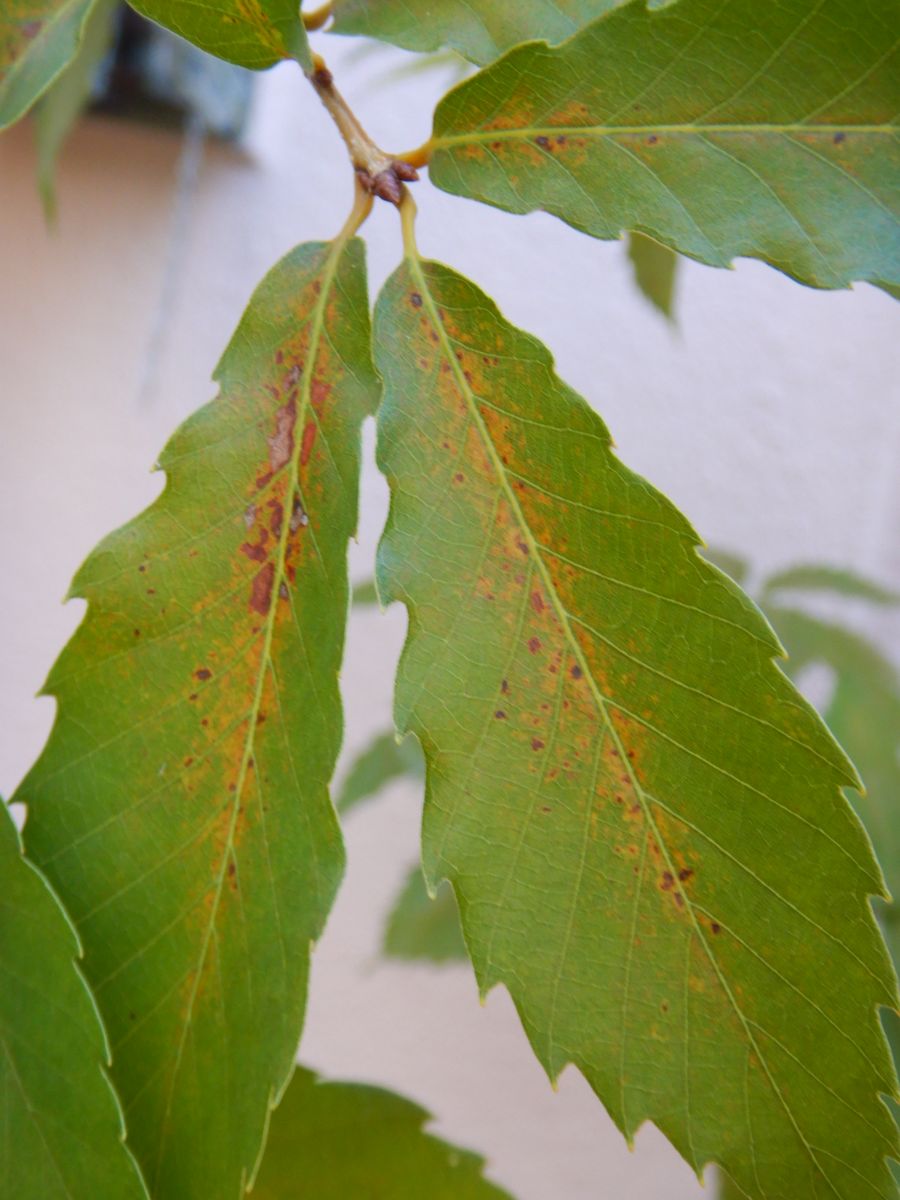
654	266
181	806
814	577
719	129
424	927
350	1141
383	760
252	33
67	97
643	820
480	30
62	1133
38	38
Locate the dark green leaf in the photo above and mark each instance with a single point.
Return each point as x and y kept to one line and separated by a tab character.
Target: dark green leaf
38	38
349	1141
251	33
654	271
641	817
720	129
181	806
62	1126
66	99
381	761
422	927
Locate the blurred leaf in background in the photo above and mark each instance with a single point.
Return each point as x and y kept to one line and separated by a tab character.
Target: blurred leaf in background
333	1141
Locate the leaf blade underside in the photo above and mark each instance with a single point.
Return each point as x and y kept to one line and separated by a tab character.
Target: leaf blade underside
337	1140
620	782
480	30
181	805
63	1134
720	129
38	38
251	33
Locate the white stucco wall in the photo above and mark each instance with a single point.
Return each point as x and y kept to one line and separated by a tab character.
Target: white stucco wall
771	415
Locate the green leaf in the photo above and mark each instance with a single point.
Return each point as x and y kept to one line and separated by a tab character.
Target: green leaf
181	805
654	271
641	817
365	594
37	40
424	927
479	29
67	97
815	577
63	1135
719	129
864	713
334	1141
731	564
383	760
252	33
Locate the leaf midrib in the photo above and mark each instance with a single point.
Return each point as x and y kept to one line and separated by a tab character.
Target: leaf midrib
599	700
316	331
695	129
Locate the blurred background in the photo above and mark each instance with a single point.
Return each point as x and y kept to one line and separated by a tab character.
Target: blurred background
768	412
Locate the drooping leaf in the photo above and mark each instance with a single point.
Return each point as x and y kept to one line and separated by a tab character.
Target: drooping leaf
181	807
719	129
422	927
479	29
62	1130
815	577
642	819
66	99
383	760
251	33
655	267
333	1141
38	38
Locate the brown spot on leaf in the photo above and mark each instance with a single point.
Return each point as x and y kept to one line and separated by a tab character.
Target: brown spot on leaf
668	881
576	672
281	442
261	591
534	644
256	552
203	673
839	137
537	602
309	437
537	744
415	299
500	715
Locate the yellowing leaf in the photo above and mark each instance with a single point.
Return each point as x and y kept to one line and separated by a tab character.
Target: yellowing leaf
37	40
641	817
62	1132
181	807
719	129
348	1141
251	33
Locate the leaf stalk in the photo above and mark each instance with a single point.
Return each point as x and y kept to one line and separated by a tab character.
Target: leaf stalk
379	173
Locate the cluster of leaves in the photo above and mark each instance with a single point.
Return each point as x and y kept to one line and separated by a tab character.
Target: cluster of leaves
621	782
